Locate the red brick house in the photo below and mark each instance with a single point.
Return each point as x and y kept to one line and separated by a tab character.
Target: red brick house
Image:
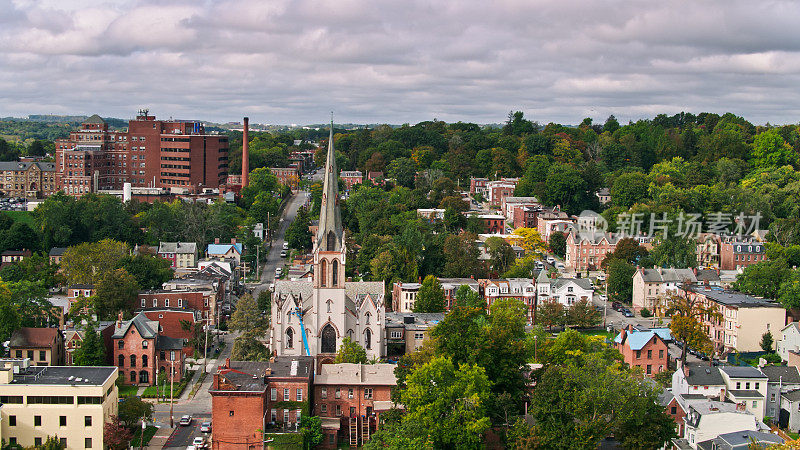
43	346
287	176
350	397
644	348
351	178
171	323
587	252
248	397
735	255
140	351
180	299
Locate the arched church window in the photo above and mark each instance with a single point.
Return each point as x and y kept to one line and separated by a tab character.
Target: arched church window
335	273
289	338
331	241
329	303
368	339
328	339
323	273
367	316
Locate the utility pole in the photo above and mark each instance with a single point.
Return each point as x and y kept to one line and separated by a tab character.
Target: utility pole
205	354
171	388
141	440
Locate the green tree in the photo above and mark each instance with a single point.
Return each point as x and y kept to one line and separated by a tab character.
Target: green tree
466	297
247	318
132	410
351	352
675	251
765	279
297	234
687	313
620	280
311	429
766	342
770	150
789	292
558	243
566	186
501	254
582	314
89	262
461	257
248	348
92	351
629	188
404	171
430	298
550	313
628	250
150	272
116	291
446	404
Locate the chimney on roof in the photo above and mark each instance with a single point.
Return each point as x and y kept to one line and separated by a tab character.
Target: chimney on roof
722	395
245	152
216	240
233	240
119	320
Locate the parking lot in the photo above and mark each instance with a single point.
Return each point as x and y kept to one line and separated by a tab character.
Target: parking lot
183	436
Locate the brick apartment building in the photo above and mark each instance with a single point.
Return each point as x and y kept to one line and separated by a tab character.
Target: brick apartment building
351	178
287	176
350	398
180	254
499	190
141	353
150	153
478	186
522	289
646	349
246	399
735	255
492	223
181	299
585	252
27	179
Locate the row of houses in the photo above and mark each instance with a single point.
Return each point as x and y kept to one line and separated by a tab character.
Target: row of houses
249	398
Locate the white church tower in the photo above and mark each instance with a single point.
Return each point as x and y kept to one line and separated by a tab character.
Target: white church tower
331	307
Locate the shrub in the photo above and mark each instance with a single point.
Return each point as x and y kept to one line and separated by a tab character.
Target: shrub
644	312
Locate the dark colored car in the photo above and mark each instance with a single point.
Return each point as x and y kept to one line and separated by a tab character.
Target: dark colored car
616	306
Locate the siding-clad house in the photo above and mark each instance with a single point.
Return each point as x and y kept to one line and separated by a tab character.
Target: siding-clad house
652	286
789	340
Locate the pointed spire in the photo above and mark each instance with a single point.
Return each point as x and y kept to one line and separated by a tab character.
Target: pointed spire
330	221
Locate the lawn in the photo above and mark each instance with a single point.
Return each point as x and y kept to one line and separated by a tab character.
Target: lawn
603	333
794	436
21	216
149	432
127	390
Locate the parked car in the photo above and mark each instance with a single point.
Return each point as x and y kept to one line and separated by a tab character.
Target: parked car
601	277
199	442
278	272
627	312
603	297
286	246
616	306
205	427
283	253
185	421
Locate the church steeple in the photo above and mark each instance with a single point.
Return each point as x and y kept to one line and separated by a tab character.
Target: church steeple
330	234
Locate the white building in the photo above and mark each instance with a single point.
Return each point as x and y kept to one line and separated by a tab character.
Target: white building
746	385
330	307
566	291
789	340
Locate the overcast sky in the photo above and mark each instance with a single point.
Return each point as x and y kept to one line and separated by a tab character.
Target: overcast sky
293	61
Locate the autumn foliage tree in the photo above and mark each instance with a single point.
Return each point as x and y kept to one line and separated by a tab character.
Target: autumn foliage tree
687	313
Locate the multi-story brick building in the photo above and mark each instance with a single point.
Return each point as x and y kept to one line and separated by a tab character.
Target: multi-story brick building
492	223
708	247
522	289
180	299
509	204
287	176
478	186
151	153
141	353
350	398
180	254
450	287
652	286
43	346
351	178
646	349
404	295
499	190
27	179
586	251
405	333
55	254
9	257
735	255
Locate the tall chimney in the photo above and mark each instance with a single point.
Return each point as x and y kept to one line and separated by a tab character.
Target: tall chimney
245	153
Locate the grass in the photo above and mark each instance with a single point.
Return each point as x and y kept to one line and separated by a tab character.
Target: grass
794	436
21	216
155	392
149	432
127	390
603	333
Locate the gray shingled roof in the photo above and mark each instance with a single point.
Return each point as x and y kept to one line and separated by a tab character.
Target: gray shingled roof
94	119
734	298
745	393
177	247
703	374
742	372
782	374
146	328
792	396
16	165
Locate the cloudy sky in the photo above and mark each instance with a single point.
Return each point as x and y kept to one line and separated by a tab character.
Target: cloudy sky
293	61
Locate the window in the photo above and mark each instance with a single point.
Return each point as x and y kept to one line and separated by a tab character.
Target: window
285	416
649	369
755	404
62	421
273	394
120	344
289	338
180	303
87	443
166	302
673	410
747	385
757	384
368	337
397	335
133	360
30	354
12	440
230	413
37	421
350	393
144	360
367	316
660	354
772	397
323	392
15	399
338	393
12	421
286	395
338	410
352	411
738	385
649	354
323	408
638	354
274	415
368	393
37	441
299	395
419	336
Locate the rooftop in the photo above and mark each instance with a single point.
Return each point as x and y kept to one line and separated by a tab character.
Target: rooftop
61	375
703	374
33	337
292	366
734	298
782	374
742	372
357	374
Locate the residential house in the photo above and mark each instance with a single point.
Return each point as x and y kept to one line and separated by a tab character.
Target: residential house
350	399
677	405
500	189
740	254
404	295
566	291
509	204
200	300
141	352
70	403
13	256
289	380
741	440
73	340
431	214
351	178
43	346
492	223
781	380
788	340
180	254
450	286
651	287
789	415
586	251
603	196
56	253
708	250
744	318
231	251
178	324
522	289
287	176
644	348
706	420
376	177
746	385
478	186
406	332
700	378
708	277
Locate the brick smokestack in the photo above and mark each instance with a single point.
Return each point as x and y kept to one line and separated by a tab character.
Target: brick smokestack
245	153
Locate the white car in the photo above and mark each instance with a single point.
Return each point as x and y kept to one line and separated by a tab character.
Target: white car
278	272
199	442
286	246
601	277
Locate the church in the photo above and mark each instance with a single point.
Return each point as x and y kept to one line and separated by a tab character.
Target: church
331	308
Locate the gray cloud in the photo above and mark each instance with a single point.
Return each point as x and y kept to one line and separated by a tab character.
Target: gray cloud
292	61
